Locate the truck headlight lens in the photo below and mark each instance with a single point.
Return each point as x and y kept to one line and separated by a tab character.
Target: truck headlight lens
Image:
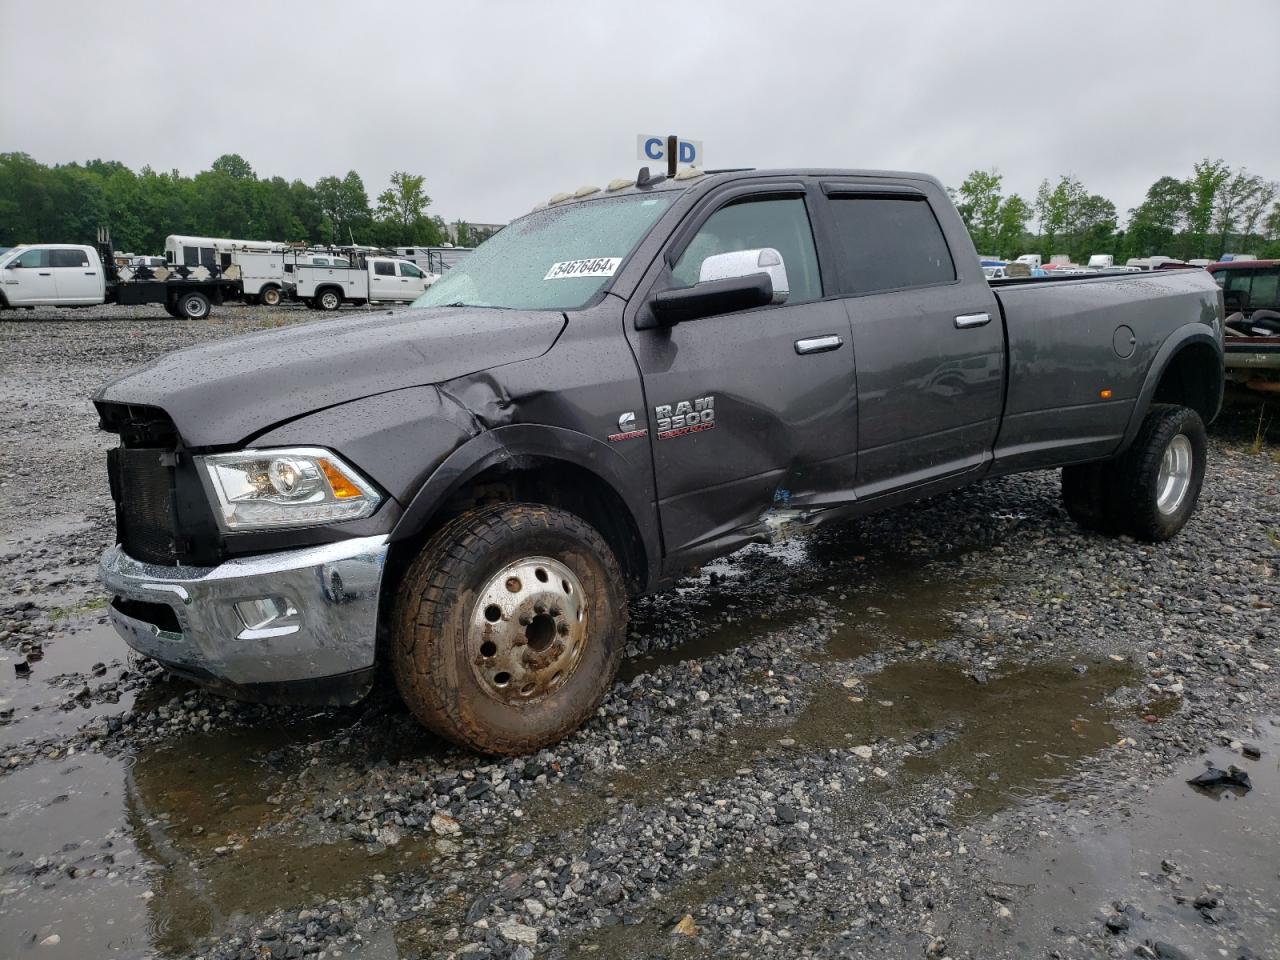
296	487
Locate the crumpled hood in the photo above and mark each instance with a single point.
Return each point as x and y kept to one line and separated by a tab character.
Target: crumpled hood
222	392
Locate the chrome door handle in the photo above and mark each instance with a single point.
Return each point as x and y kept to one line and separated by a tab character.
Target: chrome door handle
818	344
967	320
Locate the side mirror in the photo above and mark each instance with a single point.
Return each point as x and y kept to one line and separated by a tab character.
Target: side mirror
744	263
710	297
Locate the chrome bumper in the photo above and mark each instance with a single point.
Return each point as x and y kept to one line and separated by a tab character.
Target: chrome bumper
330	591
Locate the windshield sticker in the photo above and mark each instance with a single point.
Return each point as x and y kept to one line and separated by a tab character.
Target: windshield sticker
593	267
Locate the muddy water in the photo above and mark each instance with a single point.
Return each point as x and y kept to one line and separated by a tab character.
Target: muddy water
44	700
174	842
1177	843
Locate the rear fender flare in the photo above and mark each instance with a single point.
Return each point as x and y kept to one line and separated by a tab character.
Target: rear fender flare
502	444
1186	335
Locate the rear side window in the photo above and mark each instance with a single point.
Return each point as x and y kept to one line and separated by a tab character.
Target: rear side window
887	243
68	258
191	256
1265	294
384	269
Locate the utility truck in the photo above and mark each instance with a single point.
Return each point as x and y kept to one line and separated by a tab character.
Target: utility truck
257	264
357	279
78	275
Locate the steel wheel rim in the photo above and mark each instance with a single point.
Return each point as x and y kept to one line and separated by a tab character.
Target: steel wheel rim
527	631
194	307
1174	479
329	300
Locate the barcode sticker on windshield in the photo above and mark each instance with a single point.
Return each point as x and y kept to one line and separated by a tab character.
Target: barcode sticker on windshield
594	267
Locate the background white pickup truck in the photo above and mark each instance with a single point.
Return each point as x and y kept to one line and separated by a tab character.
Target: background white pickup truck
367	280
75	275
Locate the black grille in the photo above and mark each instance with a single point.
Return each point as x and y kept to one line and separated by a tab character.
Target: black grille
143	486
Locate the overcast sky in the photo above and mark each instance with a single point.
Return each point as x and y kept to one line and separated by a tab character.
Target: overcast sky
502	104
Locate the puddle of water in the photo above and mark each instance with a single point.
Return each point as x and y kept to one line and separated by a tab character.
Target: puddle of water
210	818
36	699
1067	882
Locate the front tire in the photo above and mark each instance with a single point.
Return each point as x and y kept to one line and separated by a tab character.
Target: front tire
509	627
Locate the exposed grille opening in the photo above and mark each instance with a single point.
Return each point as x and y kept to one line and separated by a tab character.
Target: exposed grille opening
159	614
142	483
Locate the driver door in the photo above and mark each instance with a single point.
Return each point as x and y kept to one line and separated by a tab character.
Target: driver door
752	409
28	279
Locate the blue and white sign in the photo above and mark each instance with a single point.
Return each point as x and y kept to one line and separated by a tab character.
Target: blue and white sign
651	148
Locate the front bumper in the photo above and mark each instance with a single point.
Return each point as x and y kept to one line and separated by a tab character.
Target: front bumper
187	618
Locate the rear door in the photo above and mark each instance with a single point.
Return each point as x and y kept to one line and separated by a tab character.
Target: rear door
753	409
78	279
926	334
28	279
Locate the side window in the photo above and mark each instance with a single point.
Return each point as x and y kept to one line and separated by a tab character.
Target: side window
1237	287
407	269
782	224
68	258
1265	293
33	258
320	261
191	256
208	257
384	268
340	262
889	243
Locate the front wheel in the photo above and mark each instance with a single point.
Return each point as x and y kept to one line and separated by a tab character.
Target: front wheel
509	627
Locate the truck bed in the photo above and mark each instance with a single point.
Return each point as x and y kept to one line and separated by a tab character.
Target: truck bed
1079	348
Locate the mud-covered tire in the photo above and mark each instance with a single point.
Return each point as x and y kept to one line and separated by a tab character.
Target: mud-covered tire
1089	496
436	627
1168	435
270	297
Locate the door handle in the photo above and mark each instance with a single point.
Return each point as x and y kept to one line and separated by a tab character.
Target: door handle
818	344
967	320
46	274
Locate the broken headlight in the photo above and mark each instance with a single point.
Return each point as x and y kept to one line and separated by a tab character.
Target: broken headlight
294	487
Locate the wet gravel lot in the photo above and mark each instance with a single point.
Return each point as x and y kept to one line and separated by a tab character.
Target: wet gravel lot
962	728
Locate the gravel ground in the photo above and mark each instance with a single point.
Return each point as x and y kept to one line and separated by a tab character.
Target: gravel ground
961	728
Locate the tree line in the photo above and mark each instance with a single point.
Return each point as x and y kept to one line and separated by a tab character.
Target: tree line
65	203
1214	210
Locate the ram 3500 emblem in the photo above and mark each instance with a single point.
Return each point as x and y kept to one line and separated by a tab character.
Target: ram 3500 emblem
687	416
627	428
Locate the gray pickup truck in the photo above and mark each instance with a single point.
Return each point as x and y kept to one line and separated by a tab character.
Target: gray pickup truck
616	387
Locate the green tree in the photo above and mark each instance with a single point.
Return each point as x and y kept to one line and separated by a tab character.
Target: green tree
1207	179
345	204
1156	222
402	212
978	202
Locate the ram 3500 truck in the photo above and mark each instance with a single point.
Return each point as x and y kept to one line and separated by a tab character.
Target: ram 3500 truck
616	387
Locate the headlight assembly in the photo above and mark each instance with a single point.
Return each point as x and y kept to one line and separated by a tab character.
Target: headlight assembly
292	487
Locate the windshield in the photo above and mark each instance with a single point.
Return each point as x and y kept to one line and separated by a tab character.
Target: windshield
554	259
